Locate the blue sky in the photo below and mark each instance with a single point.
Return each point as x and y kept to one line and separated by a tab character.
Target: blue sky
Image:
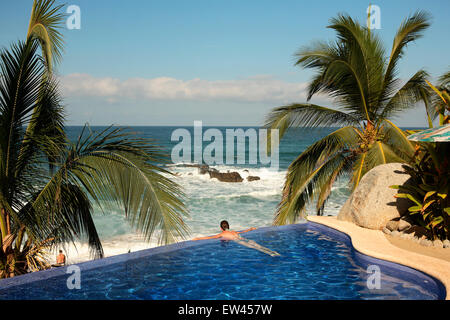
223	62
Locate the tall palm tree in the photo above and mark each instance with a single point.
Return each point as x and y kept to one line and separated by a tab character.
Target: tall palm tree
48	184
356	73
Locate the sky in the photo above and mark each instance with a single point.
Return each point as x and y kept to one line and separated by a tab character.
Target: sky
225	62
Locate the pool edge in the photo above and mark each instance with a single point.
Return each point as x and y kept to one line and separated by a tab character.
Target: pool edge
120	258
373	243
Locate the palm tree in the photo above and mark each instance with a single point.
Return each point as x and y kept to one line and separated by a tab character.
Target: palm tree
441	99
48	184
356	73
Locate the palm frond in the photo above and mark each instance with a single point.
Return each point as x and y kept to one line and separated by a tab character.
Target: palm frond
444	81
440	100
117	167
112	168
61	212
19	90
343	169
308	115
379	153
46	21
409	31
340	141
413	91
397	139
295	198
45	131
306	175
349	70
364	56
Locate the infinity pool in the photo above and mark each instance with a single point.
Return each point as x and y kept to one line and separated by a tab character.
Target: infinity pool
316	262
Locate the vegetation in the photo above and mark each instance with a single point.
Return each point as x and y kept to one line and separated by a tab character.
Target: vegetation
47	183
430	171
441	100
428	189
362	80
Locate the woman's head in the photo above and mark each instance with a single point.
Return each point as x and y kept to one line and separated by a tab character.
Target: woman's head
224	225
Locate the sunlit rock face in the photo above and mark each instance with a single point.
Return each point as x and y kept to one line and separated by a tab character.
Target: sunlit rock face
372	205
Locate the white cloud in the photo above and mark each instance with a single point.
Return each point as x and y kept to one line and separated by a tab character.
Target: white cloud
253	89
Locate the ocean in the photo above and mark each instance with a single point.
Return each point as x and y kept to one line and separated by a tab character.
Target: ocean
244	204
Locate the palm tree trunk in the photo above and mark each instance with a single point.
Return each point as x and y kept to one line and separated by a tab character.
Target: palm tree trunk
19	239
3	224
10	262
8	223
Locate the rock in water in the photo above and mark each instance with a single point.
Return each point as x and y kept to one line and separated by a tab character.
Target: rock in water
372	203
203	169
253	178
226	176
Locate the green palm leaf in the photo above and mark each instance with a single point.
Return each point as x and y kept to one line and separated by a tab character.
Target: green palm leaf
45	24
410	30
413	91
308	115
379	153
19	90
295	197
397	139
341	141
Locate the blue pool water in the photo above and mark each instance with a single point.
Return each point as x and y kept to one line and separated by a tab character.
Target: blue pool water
315	263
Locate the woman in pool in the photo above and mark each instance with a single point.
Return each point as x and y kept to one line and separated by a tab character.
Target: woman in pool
228	234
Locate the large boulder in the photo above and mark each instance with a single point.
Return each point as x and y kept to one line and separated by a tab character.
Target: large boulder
372	204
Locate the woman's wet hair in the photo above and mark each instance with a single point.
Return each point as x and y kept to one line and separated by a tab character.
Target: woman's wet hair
224	225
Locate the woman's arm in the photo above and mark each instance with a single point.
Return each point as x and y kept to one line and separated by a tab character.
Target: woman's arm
209	237
247	230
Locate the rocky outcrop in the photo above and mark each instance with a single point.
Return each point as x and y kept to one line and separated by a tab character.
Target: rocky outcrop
225	176
372	204
221	176
204	169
